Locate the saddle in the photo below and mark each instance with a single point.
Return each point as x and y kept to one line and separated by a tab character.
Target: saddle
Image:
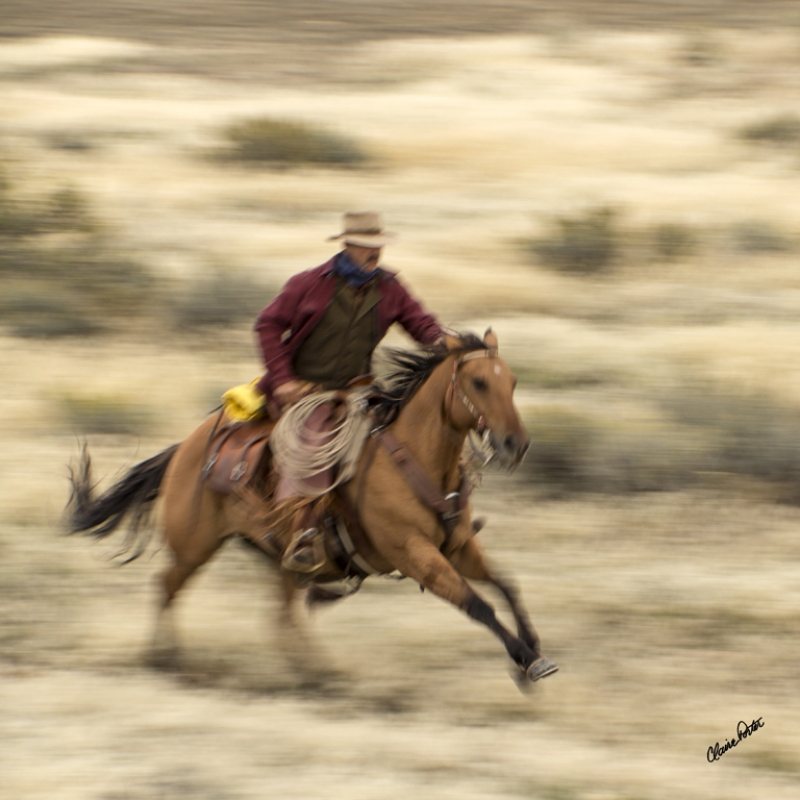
238	454
236	451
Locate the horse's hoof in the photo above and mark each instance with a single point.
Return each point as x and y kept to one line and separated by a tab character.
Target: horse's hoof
540	668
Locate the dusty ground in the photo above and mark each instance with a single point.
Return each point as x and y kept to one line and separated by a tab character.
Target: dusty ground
673	615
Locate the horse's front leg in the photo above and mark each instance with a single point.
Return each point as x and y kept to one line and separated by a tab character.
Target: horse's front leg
422	562
471	563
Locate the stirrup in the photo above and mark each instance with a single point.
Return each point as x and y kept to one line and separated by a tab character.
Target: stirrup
306	553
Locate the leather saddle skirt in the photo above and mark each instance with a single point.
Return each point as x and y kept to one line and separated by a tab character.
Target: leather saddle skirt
236	452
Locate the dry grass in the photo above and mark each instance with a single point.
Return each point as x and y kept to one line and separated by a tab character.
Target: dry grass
281	144
666	389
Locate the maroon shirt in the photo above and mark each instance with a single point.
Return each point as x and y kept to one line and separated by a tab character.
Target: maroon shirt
285	323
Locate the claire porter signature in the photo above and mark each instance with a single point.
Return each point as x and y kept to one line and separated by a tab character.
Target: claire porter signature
743	730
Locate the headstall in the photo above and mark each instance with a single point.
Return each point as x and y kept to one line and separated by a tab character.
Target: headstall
457	391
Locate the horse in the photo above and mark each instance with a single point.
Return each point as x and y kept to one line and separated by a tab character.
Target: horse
408	498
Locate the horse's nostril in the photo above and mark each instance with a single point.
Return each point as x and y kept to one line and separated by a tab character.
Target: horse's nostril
511	443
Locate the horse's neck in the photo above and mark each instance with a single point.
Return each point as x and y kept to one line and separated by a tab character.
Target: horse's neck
422	427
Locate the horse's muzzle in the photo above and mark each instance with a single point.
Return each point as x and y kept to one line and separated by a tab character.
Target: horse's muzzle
511	450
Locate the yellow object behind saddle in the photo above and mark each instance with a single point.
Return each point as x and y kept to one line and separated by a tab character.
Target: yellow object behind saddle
243	403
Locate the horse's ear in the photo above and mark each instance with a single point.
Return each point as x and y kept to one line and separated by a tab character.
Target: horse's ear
490	340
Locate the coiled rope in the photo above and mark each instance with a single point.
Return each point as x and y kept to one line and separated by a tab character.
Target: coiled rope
301	453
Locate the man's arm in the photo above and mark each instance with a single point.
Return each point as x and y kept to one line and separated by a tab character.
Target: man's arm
409	312
271	326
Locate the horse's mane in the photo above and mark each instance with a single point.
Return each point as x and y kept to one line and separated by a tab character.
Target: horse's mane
411	370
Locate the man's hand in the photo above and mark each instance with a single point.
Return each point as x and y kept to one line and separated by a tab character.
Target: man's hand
291	391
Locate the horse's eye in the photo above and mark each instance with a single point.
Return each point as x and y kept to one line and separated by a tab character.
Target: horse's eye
479	384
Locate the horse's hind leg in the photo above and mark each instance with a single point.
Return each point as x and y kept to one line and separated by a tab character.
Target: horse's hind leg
304	652
293	638
186	561
471	563
164	648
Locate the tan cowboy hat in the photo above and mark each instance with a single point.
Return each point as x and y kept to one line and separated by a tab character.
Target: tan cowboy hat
364	229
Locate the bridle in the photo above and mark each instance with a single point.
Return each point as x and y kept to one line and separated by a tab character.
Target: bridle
454	390
447	508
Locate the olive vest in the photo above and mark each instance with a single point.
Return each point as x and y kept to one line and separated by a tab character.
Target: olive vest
340	347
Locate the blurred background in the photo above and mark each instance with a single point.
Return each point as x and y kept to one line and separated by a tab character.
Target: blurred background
613	187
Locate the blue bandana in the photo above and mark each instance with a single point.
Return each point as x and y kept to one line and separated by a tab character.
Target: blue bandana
351	272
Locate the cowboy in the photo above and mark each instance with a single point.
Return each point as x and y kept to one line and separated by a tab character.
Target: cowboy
320	332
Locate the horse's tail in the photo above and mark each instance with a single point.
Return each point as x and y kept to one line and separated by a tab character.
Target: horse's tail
133	495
